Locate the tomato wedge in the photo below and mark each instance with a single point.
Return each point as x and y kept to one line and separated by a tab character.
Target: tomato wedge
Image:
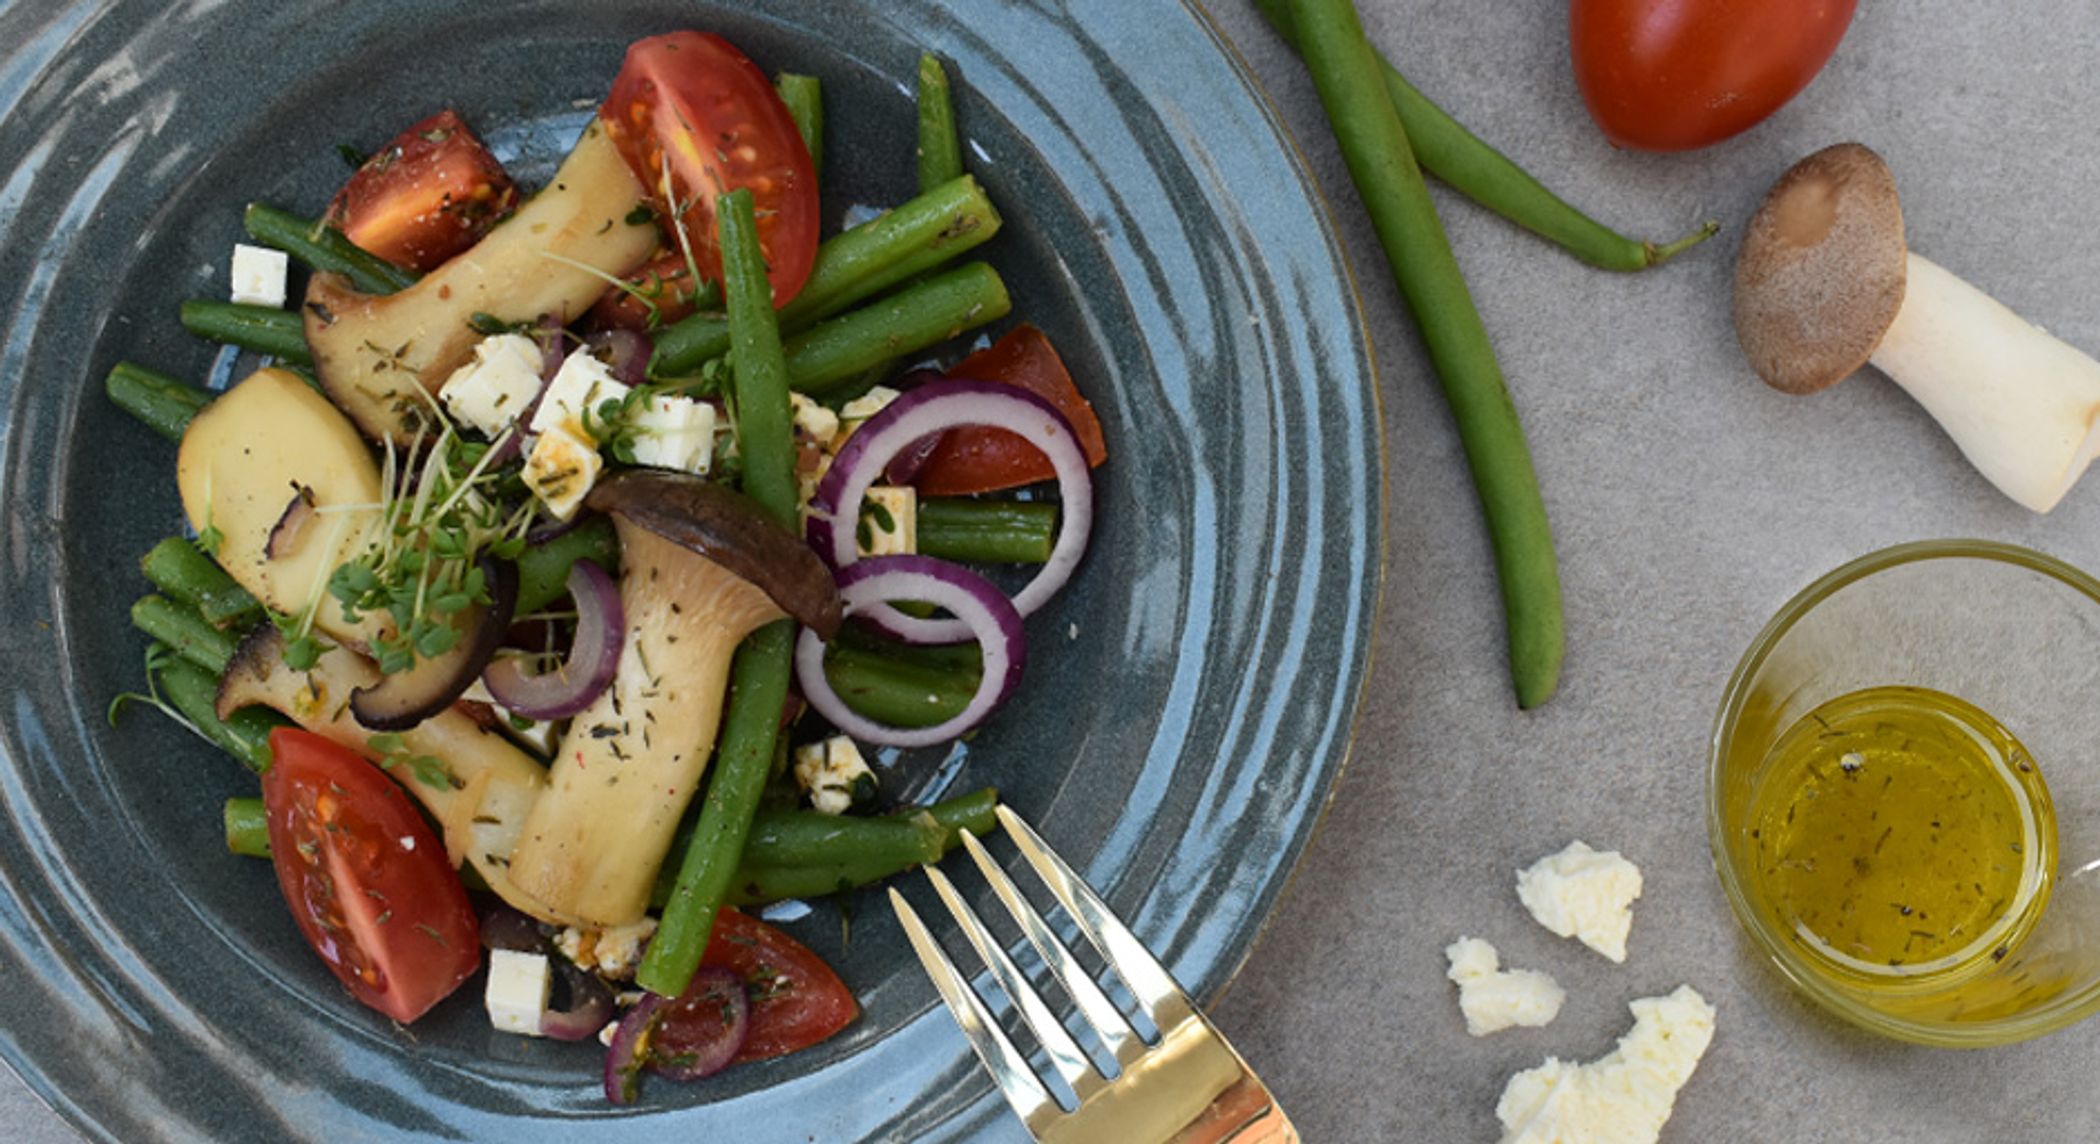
796	1000
660	293
980	460
426	196
694	118
366	877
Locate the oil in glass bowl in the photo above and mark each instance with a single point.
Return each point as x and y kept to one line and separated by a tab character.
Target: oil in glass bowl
1903	837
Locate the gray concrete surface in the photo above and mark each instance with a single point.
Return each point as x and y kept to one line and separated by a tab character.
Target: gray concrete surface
1689	502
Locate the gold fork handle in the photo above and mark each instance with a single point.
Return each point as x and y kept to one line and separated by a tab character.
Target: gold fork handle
1242	1114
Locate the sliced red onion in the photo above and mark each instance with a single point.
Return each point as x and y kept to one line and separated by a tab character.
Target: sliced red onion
629	1050
700	1033
588	1007
601	627
976	603
505	927
626	354
834	513
547	528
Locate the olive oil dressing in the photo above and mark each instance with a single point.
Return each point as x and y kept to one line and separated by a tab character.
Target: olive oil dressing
1901	834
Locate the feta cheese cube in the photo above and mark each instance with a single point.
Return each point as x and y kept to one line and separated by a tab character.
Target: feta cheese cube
530	733
580	386
258	275
829	771
1493	999
1625	1097
614	951
889	521
856	412
814	421
490	392
518	988
675	433
1583	894
561	469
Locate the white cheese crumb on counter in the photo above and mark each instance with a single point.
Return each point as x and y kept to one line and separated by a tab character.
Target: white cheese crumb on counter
259	275
1624	1098
519	984
1583	894
829	770
490	392
1493	999
561	469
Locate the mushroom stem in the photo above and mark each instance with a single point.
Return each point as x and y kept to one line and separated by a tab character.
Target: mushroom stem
2023	406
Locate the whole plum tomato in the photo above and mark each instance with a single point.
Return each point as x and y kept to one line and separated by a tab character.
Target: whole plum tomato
1672	75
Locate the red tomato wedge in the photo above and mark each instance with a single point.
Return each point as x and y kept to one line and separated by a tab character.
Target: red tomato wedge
980	460
366	877
1671	75
796	1000
429	194
661	293
694	118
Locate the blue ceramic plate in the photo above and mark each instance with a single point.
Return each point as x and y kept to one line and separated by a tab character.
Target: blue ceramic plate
1190	696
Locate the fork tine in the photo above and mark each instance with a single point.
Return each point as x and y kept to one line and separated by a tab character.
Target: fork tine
1157	994
1122	1041
1009	1069
1065	1054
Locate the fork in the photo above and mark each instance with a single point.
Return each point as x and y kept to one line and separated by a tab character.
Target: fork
1187	1087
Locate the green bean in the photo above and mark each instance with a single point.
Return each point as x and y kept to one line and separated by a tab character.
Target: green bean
164	403
279	333
929	231
914	318
940	147
247	827
178	569
758	685
543	569
1345	71
181	627
987	531
895	692
323	247
804	96
1461	159
960	659
758	883
245	734
806	838
971	812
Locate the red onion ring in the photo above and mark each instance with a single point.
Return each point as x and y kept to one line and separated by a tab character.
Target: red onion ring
834	512
601	629
976	603
588	1008
628	1053
701	1032
626	354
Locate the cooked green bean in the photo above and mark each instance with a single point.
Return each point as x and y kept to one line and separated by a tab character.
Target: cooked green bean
940	147
895	692
543	569
806	838
759	678
181	627
1471	167
921	315
987	531
804	96
279	333
1373	142
164	403
178	569
245	734
929	231
324	248
247	827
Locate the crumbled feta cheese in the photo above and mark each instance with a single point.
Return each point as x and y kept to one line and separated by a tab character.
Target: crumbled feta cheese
829	771
490	392
579	387
613	952
532	733
675	433
856	412
561	469
1583	894
1623	1098
517	991
1493	999
889	521
258	275
814	421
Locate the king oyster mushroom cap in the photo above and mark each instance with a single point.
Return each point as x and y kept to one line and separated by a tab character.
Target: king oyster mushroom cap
1825	284
701	567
